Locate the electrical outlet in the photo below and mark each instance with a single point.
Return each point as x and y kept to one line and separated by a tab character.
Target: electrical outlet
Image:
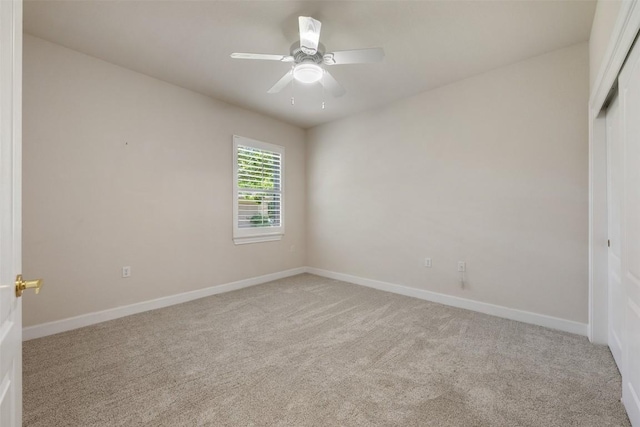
126	271
462	266
427	262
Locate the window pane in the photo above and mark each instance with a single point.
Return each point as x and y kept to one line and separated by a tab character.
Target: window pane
258	209
258	169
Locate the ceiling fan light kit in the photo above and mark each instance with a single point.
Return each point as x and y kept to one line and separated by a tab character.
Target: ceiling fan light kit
308	55
307	72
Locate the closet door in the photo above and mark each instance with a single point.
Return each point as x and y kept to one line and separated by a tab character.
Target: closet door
615	168
629	92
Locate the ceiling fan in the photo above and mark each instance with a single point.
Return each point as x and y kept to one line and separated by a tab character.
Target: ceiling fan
308	56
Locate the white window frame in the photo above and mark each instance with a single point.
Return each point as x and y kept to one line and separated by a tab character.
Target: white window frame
257	234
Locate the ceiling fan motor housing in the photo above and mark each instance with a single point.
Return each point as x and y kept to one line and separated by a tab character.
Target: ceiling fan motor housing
299	56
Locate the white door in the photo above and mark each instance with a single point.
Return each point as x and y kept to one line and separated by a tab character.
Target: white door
629	92
10	213
615	167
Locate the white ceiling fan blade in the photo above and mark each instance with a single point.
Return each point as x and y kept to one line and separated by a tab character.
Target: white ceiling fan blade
282	83
309	34
264	56
332	85
356	56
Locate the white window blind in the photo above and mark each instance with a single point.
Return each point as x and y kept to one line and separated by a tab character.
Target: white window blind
258	192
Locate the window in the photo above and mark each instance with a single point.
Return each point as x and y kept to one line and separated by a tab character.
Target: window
258	196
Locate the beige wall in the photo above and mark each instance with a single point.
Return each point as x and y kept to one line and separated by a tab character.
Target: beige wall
491	170
603	21
123	169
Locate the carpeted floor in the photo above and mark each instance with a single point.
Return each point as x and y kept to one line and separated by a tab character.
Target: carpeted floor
310	351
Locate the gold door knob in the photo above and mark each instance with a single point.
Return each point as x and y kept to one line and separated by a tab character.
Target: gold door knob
21	285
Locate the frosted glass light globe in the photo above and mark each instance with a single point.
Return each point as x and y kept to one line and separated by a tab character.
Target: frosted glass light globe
307	73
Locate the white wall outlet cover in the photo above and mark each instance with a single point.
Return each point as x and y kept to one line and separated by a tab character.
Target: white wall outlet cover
462	266
126	271
427	262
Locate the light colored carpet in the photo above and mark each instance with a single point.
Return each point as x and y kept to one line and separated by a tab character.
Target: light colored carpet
310	351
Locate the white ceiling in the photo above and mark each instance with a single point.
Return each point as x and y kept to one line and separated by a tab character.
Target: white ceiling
427	44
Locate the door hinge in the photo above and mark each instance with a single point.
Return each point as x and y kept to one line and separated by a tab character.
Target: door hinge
608	243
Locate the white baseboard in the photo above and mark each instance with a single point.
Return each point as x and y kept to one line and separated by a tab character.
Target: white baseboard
50	328
481	307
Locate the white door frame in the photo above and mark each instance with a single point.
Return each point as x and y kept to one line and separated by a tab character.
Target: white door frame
624	33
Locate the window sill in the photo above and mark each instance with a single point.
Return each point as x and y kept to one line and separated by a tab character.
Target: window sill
257	239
